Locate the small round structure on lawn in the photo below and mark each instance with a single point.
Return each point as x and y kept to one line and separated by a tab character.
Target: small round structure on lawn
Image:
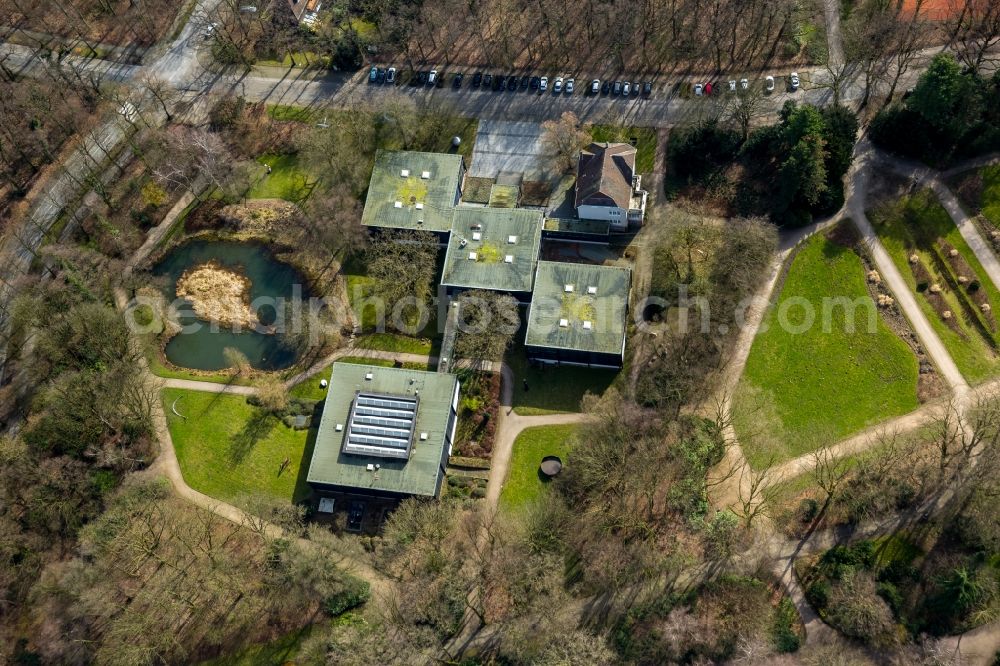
551	466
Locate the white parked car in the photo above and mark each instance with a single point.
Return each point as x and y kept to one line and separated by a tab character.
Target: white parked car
570	84
794	80
557	85
595	86
698	90
432	77
769	83
744	84
543	85
732	85
625	89
390	76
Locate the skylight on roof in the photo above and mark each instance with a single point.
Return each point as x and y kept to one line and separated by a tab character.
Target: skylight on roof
419	205
476	235
591	290
568	289
511	240
398	204
405	173
473	256
563	323
587	325
381	425
509	259
425	175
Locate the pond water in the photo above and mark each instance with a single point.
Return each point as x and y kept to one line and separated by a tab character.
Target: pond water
202	348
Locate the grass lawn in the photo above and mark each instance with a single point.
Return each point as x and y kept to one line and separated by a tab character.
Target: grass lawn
393	342
991	193
524	485
221	465
645	142
286	180
911	226
807	388
553	389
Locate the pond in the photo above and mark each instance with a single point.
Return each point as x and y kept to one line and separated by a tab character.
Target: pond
202	348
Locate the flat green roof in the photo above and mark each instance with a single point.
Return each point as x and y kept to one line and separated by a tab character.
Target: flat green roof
419	474
412	201
567	296
577	226
499	264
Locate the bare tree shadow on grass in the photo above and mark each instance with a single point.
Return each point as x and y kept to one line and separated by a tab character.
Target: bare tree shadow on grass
254	430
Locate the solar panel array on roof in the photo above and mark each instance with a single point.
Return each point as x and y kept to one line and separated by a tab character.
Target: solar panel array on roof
381	425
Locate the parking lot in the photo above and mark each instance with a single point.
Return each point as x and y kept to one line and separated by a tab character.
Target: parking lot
504	146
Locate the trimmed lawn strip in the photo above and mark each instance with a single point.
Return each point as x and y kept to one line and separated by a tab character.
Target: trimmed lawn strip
393	342
203	440
973	353
309	389
552	389
991	194
807	388
645	157
524	485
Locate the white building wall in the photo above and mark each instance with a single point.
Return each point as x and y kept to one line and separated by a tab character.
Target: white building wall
618	217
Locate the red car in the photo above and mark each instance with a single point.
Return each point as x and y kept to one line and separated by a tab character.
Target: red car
708	88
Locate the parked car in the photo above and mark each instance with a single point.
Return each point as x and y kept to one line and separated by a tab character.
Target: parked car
744	84
456	82
543	84
390	75
570	84
535	82
708	88
626	89
769	83
557	85
421	77
432	77
595	86
499	81
441	78
381	76
477	79
487	81
647	89
698	90
794	80
372	74
616	89
605	88
732	85
635	89
512	82
525	80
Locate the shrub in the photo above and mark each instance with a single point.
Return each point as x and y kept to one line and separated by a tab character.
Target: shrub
143	315
353	595
153	194
783	633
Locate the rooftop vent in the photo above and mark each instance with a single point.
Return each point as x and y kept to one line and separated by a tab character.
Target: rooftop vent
476	227
369	376
563	323
568	289
405	173
419	206
420	221
370	467
587	326
340	427
425	175
473	256
477	235
509	259
511	240
398	204
591	290
463	243
423	437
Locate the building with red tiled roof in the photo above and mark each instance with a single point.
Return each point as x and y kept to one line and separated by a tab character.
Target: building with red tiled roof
607	187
